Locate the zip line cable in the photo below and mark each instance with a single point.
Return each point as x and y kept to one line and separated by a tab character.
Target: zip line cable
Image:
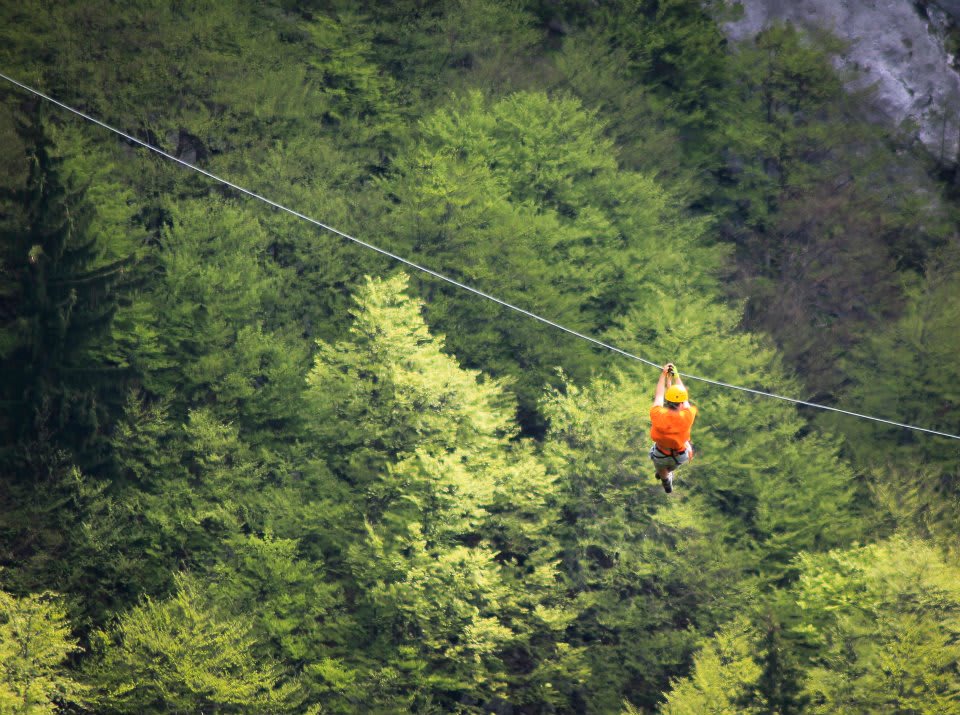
451	281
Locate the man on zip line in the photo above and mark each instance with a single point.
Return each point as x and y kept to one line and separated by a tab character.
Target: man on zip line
671	418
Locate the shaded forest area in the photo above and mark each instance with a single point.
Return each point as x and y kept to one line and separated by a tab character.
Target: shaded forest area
249	467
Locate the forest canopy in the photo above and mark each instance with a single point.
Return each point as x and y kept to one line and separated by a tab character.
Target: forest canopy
247	466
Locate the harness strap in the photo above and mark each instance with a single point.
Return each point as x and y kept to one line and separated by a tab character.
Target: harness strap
668	452
672	453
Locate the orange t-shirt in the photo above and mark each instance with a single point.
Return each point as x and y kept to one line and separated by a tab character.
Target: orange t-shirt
671	428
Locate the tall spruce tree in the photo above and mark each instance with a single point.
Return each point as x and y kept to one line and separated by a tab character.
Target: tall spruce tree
58	296
435	520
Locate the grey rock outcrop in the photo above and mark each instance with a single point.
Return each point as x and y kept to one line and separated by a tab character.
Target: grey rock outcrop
894	46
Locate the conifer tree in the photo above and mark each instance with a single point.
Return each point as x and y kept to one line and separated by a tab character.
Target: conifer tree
437	518
35	643
724	678
522	198
886	618
181	655
203	335
907	369
59	295
780	487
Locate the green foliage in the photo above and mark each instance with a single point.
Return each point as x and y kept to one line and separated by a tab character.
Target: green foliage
199	336
449	557
523	199
597	71
874	629
390	389
886	620
822	210
434	485
58	295
781	489
60	530
368	525
290	601
444	45
907	370
723	672
180	655
189	491
35	643
640	571
780	685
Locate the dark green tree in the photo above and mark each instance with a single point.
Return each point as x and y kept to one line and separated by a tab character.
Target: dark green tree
59	291
780	683
822	210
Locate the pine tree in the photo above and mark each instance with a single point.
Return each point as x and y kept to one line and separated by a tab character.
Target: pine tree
886	621
181	655
35	644
724	678
436	517
58	297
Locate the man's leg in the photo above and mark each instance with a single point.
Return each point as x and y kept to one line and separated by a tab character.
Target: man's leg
667	481
663	473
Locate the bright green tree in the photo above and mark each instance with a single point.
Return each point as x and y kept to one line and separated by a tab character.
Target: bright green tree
35	643
437	518
294	606
756	495
181	655
522	198
885	619
725	674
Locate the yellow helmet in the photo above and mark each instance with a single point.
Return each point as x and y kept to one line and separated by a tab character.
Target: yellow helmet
675	393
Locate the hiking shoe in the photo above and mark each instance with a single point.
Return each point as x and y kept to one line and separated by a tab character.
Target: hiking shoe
668	483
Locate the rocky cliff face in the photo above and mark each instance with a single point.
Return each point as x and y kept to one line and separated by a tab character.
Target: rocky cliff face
900	47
